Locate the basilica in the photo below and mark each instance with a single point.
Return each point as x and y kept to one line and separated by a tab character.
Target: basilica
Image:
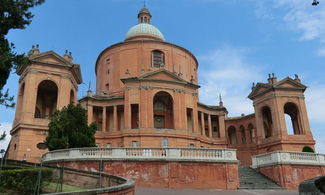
147	97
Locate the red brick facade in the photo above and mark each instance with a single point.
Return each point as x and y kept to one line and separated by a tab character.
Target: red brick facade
290	176
198	175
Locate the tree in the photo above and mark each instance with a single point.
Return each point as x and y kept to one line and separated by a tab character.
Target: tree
14	14
3	136
68	128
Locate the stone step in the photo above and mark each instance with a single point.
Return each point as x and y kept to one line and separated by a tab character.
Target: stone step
251	179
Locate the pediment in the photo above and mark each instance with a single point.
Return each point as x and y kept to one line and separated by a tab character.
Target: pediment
285	84
259	88
289	83
50	57
162	74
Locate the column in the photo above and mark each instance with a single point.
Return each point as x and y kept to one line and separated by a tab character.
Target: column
202	123
89	112
127	110
115	118
222	126
177	113
104	119
143	106
149	103
195	121
209	125
248	136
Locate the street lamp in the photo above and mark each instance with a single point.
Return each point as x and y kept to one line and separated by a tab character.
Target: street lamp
2	152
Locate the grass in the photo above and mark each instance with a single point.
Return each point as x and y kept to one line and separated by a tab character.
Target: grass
51	187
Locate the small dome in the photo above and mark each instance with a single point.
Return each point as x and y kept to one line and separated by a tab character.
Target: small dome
143	30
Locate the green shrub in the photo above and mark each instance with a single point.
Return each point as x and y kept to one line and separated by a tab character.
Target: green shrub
22	180
307	149
10	167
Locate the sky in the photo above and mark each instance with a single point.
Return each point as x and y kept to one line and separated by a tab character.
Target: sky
237	42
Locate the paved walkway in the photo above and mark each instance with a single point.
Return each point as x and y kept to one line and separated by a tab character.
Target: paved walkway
164	191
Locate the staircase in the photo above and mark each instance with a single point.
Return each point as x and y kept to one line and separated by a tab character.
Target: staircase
251	179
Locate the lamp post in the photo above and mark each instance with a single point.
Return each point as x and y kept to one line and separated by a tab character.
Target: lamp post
2	152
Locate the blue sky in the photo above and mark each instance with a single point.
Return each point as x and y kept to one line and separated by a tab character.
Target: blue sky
237	42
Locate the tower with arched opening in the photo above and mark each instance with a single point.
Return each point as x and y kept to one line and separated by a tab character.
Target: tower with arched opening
281	115
46	84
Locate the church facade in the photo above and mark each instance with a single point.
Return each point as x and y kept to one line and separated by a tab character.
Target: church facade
147	96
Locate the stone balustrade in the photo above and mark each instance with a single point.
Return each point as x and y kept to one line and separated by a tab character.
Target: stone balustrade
171	154
285	157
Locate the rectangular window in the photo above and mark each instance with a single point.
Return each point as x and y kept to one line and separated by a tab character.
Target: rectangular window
157	59
191	146
135	144
164	143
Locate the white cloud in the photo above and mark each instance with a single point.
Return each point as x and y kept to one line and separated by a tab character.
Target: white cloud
320	144
315	100
299	16
227	71
5	126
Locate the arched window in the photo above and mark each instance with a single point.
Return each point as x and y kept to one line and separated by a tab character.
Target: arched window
250	129
267	121
163	110
47	95
292	118
158	58
232	139
72	97
242	134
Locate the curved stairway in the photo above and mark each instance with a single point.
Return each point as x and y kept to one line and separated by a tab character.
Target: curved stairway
251	179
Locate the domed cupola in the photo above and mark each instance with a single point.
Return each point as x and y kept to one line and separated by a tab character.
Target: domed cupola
144	30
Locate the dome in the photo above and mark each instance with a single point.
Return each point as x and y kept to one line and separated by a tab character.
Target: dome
142	30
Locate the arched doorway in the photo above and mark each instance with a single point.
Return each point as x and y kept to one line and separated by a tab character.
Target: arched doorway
267	121
250	129
163	114
72	97
242	134
46	101
232	138
292	119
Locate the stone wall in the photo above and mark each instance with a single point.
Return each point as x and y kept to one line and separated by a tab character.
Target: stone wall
168	174
290	176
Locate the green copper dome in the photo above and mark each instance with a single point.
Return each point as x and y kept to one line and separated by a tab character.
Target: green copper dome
144	29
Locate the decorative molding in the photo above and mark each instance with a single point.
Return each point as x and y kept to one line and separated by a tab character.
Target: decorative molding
49	75
278	95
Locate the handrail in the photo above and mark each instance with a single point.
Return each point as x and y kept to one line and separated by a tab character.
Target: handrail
186	154
287	157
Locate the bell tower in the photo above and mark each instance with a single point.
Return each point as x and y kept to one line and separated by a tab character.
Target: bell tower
47	83
280	107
